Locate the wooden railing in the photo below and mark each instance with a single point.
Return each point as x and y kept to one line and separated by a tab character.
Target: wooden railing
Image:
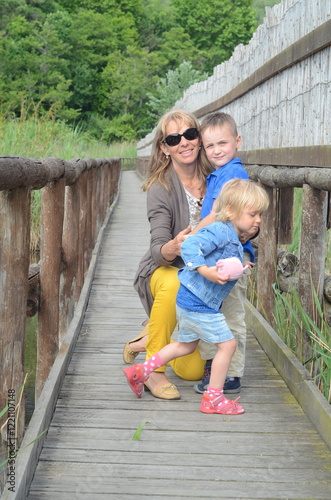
75	199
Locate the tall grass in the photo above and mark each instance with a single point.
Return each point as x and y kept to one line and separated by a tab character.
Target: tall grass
291	318
41	138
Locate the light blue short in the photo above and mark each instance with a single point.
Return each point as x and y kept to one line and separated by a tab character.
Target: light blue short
208	327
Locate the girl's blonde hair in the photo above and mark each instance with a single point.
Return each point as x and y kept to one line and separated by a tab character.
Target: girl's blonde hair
237	194
159	165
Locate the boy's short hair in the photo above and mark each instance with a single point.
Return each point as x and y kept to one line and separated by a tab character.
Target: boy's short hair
218	119
238	193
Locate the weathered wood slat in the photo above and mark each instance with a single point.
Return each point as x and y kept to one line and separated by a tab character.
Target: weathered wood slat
270	452
197	488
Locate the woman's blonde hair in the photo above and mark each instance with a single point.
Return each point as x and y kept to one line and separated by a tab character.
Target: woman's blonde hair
237	194
159	164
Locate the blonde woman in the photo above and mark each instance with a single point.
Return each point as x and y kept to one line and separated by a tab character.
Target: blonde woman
175	188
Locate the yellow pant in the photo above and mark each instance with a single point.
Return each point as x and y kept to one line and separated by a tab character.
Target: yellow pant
164	285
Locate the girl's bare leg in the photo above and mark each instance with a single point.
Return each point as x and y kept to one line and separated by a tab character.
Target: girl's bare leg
221	363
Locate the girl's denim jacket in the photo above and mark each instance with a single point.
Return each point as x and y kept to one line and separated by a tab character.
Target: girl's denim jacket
216	241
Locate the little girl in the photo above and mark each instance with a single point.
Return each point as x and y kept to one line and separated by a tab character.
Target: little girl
203	288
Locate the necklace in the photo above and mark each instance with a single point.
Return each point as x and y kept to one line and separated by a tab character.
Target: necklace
192	185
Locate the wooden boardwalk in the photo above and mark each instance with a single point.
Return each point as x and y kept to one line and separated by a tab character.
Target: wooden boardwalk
270	452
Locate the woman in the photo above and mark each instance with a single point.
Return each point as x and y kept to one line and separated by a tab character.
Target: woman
175	188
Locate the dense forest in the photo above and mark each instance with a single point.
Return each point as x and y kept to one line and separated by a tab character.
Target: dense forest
112	67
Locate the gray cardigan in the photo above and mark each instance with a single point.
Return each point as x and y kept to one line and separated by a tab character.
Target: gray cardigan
168	214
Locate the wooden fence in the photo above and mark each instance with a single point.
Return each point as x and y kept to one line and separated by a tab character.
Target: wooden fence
75	198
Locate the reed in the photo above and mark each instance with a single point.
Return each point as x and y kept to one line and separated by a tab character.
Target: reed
39	138
290	317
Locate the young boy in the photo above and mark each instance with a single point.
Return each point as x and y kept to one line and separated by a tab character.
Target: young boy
221	142
203	288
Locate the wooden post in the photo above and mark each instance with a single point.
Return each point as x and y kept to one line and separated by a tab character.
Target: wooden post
14	271
88	216
312	259
285	215
70	244
52	214
101	188
266	272
82	185
95	206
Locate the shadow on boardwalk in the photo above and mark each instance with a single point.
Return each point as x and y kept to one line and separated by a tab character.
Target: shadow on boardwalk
270	452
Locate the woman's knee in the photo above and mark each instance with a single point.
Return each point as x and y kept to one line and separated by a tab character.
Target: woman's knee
170	284
164	286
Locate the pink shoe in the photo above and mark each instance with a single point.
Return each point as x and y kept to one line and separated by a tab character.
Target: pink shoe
136	379
219	404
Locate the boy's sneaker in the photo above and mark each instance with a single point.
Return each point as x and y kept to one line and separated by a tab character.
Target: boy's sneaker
136	379
219	404
232	385
202	387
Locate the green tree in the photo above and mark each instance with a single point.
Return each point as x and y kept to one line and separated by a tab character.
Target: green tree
169	89
10	9
34	67
177	46
101	61
216	27
125	82
93	38
157	19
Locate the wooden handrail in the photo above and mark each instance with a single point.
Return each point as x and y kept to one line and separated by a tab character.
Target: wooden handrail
76	196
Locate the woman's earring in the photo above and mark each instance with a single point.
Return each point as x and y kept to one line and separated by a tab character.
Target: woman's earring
167	157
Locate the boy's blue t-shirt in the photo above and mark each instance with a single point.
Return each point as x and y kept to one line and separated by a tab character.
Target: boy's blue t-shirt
232	170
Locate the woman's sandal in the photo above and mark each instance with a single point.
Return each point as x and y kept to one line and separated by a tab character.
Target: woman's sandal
128	354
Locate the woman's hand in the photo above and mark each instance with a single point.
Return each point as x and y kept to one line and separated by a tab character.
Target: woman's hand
212	274
171	250
178	240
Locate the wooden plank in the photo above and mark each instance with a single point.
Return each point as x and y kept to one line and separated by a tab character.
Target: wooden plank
215	469
198	488
55	457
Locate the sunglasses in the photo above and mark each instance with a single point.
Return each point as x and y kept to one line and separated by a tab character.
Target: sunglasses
174	139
